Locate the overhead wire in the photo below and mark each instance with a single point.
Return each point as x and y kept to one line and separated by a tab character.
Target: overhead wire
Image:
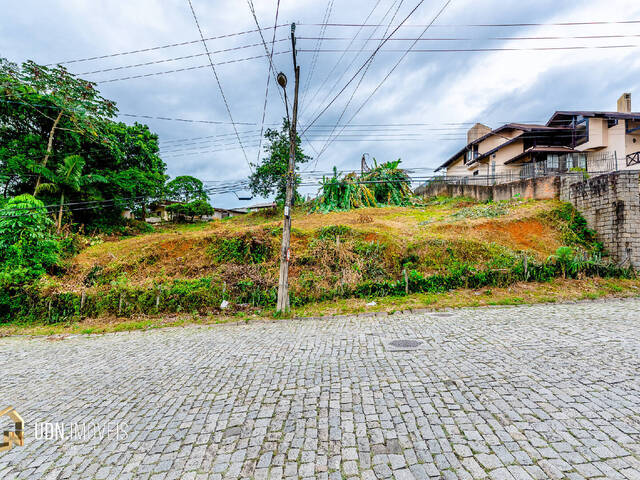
150	49
364	73
270	69
324	82
184	57
314	59
215	74
362	67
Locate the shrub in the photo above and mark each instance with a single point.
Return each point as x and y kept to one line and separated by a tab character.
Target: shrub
247	248
333	231
28	248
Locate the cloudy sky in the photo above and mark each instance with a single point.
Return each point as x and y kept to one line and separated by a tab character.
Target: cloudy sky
481	70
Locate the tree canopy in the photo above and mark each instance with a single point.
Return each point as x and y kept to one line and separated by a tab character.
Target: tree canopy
47	115
185	189
270	175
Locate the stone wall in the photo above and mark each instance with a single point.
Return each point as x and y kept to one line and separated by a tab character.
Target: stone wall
611	205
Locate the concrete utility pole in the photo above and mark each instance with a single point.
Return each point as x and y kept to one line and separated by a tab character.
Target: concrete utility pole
285	254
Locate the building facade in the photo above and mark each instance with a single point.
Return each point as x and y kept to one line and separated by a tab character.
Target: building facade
570	141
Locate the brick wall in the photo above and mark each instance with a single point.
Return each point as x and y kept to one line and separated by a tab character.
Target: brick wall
611	205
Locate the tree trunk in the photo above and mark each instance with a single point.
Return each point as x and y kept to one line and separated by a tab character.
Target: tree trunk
144	210
60	212
49	148
6	185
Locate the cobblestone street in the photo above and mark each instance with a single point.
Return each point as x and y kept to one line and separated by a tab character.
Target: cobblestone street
547	391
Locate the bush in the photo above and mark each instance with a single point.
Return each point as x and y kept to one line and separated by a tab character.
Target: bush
28	248
244	249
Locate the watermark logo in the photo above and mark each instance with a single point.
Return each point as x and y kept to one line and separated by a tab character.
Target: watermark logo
16	436
80	431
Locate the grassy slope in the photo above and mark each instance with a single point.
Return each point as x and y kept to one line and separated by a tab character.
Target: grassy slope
431	238
181	252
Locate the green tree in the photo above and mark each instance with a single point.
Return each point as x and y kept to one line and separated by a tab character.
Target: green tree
33	144
185	189
270	176
62	100
197	208
69	178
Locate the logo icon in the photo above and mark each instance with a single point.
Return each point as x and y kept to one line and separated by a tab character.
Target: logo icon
17	436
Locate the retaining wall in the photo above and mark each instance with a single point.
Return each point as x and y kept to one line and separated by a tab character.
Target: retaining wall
611	205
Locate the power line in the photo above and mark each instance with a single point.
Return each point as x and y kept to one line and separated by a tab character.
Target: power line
324	82
215	74
155	62
314	60
363	66
196	67
364	73
497	49
461	39
142	50
270	69
557	24
356	56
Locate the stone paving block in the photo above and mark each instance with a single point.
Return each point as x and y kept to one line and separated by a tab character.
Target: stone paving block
538	392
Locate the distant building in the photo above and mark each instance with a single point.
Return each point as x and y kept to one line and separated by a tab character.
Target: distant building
569	140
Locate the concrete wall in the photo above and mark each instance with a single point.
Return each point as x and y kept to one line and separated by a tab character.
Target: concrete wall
611	205
542	188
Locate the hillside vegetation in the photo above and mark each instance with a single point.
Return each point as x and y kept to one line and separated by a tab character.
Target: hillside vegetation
435	247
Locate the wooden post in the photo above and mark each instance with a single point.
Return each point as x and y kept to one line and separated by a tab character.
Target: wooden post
406	281
83	298
285	254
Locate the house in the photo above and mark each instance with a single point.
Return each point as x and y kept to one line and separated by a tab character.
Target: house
570	140
220	213
158	212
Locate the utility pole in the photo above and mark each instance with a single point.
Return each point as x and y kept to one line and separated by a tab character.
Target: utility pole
285	254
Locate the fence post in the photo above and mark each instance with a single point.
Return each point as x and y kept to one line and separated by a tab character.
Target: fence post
615	158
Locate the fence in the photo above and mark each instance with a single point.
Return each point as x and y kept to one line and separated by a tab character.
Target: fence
572	163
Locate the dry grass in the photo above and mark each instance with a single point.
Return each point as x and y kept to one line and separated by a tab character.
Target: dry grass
181	251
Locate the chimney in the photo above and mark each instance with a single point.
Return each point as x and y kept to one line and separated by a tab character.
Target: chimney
624	103
477	131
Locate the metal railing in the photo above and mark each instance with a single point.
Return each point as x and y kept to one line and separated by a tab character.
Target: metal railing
568	164
633	159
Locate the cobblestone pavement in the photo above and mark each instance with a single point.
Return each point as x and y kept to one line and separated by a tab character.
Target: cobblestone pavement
547	391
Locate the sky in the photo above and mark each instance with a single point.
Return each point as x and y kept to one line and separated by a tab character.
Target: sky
418	111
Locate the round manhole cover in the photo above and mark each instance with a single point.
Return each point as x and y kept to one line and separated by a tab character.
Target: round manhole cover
405	343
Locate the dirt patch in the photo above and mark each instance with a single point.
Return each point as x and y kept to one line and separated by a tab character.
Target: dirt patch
524	234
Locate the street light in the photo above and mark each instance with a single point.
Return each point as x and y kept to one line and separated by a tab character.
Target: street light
282	81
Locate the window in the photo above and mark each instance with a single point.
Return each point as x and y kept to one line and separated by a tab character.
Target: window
581	129
472	154
553	161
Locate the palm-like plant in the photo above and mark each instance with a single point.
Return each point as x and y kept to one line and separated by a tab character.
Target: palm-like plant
68	178
565	257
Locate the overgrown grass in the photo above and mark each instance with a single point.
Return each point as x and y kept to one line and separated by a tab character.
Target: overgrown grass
335	257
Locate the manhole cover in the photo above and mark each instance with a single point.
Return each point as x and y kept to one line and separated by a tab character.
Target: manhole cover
404	344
